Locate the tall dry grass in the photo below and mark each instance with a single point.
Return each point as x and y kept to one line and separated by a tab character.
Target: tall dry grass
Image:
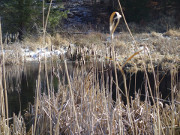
18	126
84	104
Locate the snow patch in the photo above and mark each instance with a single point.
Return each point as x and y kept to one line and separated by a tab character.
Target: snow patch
30	55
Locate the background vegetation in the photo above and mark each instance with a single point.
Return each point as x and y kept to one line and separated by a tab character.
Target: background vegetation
146	10
25	16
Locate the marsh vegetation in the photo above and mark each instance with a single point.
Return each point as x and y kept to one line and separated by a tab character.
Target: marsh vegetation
76	79
68	98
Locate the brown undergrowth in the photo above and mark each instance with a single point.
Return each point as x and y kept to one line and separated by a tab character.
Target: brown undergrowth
84	102
85	105
163	47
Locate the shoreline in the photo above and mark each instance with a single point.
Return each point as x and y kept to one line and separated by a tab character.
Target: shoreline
158	48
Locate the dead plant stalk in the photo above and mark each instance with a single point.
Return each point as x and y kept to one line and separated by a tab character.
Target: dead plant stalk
72	97
4	78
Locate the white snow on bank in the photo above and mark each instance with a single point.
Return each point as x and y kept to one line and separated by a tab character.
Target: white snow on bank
30	55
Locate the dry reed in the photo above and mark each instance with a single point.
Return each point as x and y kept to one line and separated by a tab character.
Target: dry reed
84	103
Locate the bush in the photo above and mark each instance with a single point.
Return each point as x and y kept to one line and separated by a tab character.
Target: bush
19	15
25	16
55	18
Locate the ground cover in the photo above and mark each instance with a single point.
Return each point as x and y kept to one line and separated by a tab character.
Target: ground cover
90	99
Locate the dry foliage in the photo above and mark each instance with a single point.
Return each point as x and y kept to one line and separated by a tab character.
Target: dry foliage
173	33
97	112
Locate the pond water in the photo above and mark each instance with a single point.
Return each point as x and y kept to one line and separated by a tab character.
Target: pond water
22	81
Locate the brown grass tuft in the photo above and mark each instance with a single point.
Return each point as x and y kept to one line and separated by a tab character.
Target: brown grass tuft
174	33
59	40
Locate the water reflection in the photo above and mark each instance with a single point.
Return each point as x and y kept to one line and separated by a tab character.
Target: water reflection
22	81
21	85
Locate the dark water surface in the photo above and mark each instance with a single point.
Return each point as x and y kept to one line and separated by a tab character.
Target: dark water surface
22	81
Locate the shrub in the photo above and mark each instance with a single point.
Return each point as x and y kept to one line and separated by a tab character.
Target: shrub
25	16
